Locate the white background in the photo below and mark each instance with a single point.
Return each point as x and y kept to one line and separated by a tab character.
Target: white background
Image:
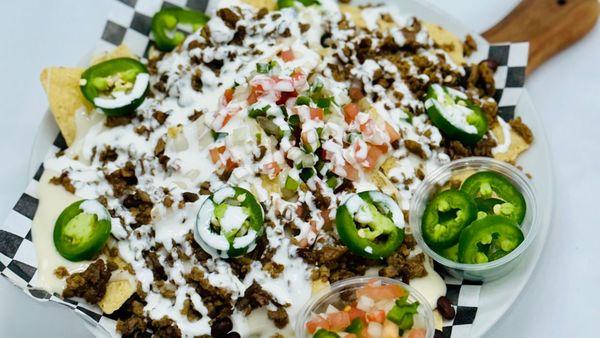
562	298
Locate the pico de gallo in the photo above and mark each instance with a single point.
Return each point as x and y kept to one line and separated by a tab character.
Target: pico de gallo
378	310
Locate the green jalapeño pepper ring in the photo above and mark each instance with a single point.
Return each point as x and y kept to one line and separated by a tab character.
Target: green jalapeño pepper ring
164	25
322	333
493	186
445	216
456	115
488	239
116	86
290	3
370	224
81	230
229	223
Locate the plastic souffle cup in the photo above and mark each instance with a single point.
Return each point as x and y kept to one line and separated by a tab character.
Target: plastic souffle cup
335	295
461	168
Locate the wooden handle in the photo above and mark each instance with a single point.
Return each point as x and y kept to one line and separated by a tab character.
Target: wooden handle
549	25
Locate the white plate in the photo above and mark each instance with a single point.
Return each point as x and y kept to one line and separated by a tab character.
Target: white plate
496	297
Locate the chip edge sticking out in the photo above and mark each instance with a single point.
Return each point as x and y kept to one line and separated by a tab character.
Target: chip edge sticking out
61	85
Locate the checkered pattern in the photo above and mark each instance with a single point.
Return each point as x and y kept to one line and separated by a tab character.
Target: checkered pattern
130	23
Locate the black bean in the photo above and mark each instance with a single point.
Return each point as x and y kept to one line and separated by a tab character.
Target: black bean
438	334
221	327
233	335
445	308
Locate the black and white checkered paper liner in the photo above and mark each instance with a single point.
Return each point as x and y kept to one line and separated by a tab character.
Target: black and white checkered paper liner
129	23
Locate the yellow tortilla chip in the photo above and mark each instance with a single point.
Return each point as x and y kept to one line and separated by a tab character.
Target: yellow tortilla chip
117	293
64	96
438	321
61	85
318	285
517	144
355	14
443	37
271	185
268	4
121	51
388	165
383	183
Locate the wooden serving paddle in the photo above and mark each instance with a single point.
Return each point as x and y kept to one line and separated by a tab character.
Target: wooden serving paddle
549	25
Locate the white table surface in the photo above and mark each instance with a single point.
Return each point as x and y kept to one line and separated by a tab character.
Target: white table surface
563	296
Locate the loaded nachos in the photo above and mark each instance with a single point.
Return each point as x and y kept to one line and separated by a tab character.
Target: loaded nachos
213	187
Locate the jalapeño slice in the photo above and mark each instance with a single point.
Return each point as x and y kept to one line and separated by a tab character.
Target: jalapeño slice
116	86
370	224
229	223
322	333
164	26
456	115
488	239
81	230
445	216
507	200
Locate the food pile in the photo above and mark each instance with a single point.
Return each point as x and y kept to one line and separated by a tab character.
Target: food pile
251	163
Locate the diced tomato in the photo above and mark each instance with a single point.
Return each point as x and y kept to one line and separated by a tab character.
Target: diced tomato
255	93
226	119
373	155
355	93
351	172
228	95
317	322
338	320
215	154
287	55
377	293
350	112
417	333
273	169
354	313
316	113
376	316
392	133
230	165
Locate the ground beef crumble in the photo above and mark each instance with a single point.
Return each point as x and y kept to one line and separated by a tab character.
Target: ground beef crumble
522	129
64	180
89	284
469	46
217	300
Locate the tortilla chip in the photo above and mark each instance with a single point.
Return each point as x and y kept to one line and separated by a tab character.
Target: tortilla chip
443	37
517	144
117	293
121	51
438	321
355	15
318	285
271	185
271	5
383	183
64	96
61	85
388	165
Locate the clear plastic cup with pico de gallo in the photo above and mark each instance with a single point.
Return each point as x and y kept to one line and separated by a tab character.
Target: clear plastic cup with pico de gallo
366	307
